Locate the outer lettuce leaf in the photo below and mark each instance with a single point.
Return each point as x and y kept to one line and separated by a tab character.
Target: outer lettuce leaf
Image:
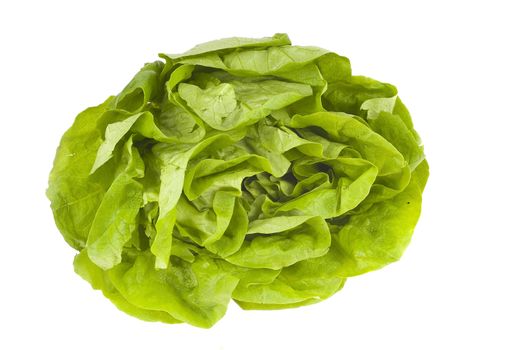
282	241
232	105
274	61
349	94
75	195
230	44
196	293
379	236
395	125
99	279
244	169
143	88
115	220
348	130
114	133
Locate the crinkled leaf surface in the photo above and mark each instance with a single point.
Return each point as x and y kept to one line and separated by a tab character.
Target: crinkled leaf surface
244	169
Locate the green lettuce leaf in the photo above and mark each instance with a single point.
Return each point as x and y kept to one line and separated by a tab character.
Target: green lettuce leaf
243	169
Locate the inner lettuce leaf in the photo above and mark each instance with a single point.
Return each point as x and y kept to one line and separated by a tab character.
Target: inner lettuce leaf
243	169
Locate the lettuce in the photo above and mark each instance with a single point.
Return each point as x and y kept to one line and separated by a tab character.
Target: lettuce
244	169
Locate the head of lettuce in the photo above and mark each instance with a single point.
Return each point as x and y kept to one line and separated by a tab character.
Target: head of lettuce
244	169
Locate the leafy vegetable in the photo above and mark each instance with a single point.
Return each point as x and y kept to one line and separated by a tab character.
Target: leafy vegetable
244	169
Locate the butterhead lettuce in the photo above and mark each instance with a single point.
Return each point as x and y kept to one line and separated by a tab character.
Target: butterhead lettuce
244	169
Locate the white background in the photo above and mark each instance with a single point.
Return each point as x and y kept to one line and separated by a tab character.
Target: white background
459	67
